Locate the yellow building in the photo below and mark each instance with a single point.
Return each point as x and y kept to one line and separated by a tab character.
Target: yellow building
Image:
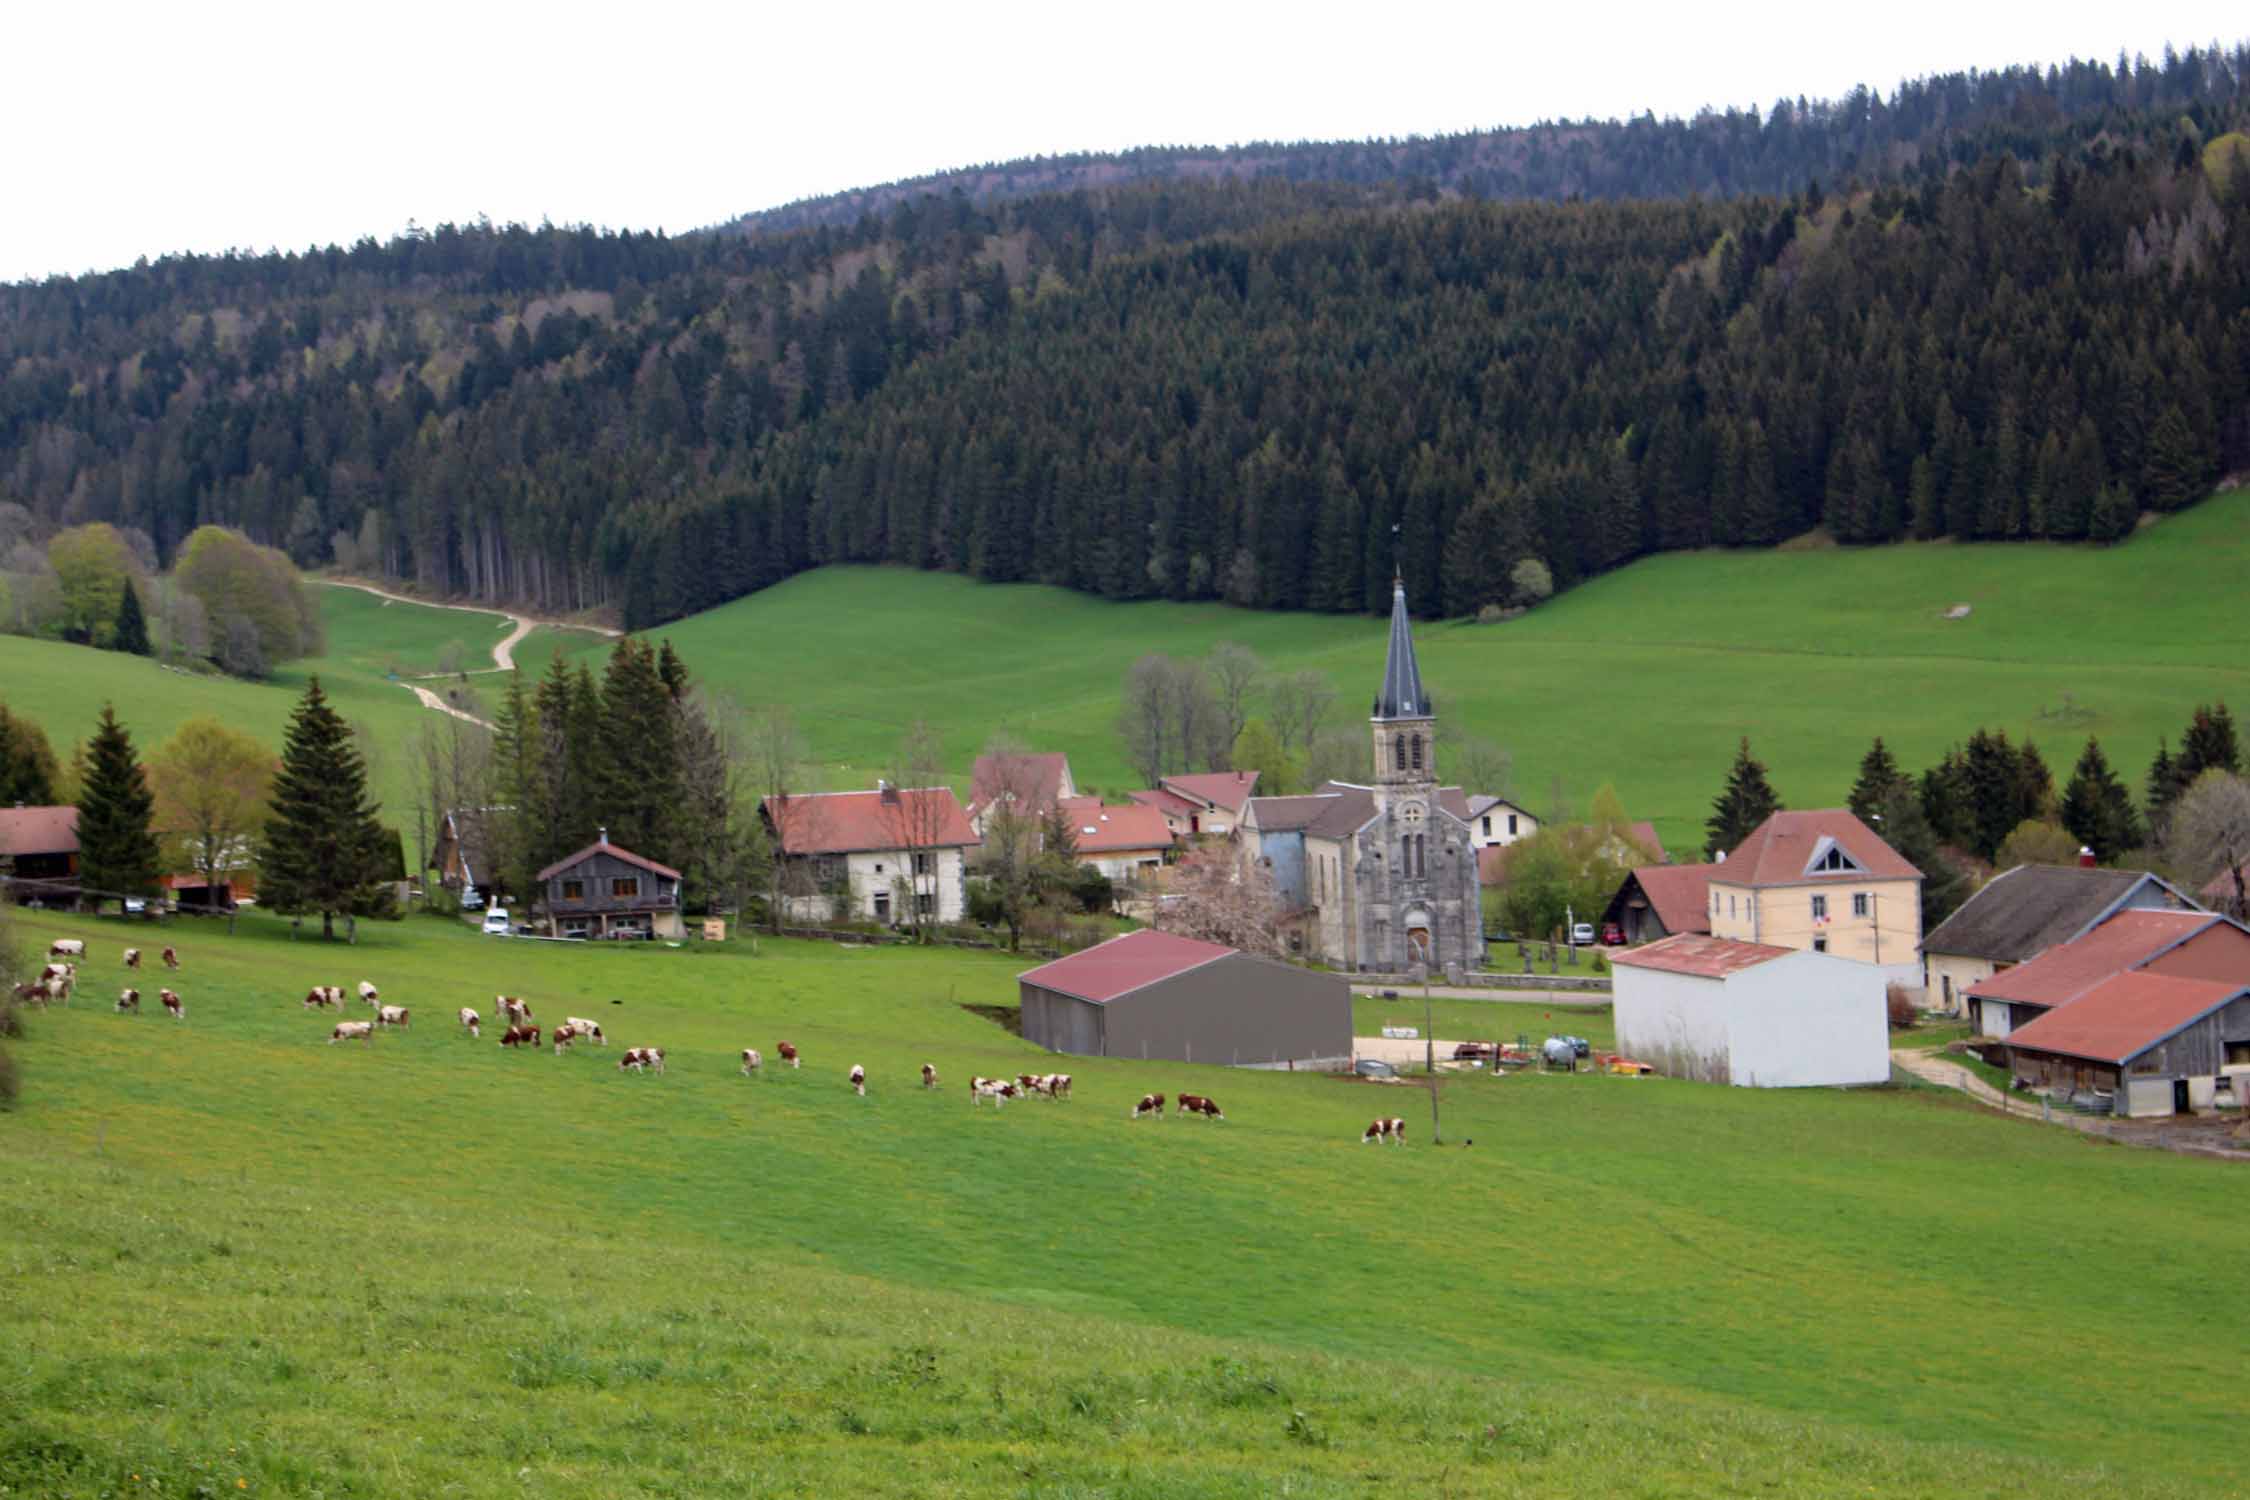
1822	881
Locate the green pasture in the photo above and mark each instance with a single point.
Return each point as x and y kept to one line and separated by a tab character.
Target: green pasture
428	1265
1645	677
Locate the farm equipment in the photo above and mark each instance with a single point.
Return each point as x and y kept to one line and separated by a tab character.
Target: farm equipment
1624	1067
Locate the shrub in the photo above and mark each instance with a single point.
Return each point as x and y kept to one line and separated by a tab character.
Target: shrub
1900	1004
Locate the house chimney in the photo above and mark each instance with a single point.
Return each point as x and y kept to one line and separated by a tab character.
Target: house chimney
2085	858
601	835
1722	857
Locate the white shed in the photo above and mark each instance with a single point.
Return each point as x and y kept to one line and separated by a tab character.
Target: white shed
1722	1011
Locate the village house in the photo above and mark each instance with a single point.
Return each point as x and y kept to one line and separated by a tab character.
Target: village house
607	891
1825	882
1756	1015
1635	844
1032	784
1495	821
1661	901
2023	912
1127	842
1204	802
39	846
882	855
2174	944
2158	1045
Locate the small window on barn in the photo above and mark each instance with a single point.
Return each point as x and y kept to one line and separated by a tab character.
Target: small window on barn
574	890
2238	1054
625	885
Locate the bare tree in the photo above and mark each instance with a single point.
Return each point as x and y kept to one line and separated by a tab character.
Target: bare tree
1198	721
1220	899
723	838
1340	755
1297	706
2209	834
1234	672
1144	721
450	762
915	808
1480	766
774	756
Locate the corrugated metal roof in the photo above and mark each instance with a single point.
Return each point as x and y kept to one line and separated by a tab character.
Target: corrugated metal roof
2068	970
855	822
38	830
2025	911
1778	850
2123	1016
1699	954
1124	964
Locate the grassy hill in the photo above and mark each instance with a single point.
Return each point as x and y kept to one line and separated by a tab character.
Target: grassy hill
245	1259
1645	677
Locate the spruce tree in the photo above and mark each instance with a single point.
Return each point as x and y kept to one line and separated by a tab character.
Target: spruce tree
130	634
1747	801
117	853
515	759
1905	829
2208	745
640	783
1879	775
322	847
1946	803
673	671
2097	809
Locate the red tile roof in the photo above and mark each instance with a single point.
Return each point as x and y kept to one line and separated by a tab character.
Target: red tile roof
1124	964
2123	1016
1111	830
1680	895
2068	970
1778	850
856	822
38	830
1699	954
614	851
1223	789
1036	780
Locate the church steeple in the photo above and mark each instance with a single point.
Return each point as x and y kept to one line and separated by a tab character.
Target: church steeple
1402	696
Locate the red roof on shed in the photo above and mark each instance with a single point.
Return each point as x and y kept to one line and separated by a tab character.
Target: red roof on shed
2068	970
38	830
1699	954
2123	1016
1124	964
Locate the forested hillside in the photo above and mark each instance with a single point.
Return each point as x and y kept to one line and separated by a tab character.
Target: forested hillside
2027	320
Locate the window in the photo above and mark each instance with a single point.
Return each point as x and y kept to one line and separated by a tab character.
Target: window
1820	908
2238	1054
574	890
878	867
925	864
926	904
625	887
1820	945
1398	753
1488	825
882	906
1859	904
1417	752
1511	825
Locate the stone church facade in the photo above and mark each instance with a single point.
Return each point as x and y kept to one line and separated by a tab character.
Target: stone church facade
1384	876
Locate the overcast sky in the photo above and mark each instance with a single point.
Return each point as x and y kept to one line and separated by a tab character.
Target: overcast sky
135	130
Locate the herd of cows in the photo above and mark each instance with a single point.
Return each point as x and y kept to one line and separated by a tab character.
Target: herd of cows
59	977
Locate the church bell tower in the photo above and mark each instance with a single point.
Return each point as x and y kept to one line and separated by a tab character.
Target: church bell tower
1404	719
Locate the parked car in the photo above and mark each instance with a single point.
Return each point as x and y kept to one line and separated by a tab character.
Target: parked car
1613	936
1582	935
496	923
1465	1051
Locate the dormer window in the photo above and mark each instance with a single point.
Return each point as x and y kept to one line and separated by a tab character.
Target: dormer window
1830	858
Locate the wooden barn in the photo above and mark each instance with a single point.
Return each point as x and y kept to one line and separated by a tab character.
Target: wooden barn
604	891
2160	1045
1157	994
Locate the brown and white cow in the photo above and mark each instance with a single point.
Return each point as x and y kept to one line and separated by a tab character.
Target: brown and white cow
859	1080
370	994
172	1004
32	992
586	1028
1151	1104
998	1090
1058	1085
391	1015
172	958
515	1010
1391	1130
751	1062
132	958
929	1076
58	991
352	1031
469	1019
787	1052
638	1058
1197	1104
564	1035
521	1036
321	996
67	948
129	999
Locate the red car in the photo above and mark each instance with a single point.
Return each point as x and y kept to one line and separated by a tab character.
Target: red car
1613	936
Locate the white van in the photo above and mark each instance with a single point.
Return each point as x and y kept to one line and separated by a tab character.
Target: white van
496	922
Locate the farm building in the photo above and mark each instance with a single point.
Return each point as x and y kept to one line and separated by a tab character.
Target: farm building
1127	842
39	846
607	891
2160	1045
2023	912
1824	881
1157	994
1753	1014
2176	944
1661	901
883	855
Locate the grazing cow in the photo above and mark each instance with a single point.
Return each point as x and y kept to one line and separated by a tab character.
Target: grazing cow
171	999
585	1027
132	958
129	1000
565	1034
514	1009
58	992
1391	1131
751	1061
787	1052
321	996
1151	1104
929	1076
521	1036
172	958
1058	1085
67	948
998	1090
32	992
1196	1104
859	1080
638	1058
391	1015
350	1030
370	994
469	1021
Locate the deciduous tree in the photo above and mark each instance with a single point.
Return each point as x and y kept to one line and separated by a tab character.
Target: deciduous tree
212	782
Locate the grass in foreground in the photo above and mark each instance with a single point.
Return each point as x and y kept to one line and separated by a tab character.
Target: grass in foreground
428	1265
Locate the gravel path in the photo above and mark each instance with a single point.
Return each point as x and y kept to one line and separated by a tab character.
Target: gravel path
503	650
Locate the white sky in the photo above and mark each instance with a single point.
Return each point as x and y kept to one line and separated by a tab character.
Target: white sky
138	129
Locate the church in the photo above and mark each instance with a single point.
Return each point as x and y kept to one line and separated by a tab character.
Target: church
1382	877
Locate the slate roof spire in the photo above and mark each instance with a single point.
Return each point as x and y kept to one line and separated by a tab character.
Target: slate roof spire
1402	696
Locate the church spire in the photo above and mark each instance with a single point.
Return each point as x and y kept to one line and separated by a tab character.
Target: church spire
1402	696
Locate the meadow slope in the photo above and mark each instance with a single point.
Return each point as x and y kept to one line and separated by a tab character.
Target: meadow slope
429	1264
1644	677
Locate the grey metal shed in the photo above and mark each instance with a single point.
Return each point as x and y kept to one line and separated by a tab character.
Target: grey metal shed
1159	995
